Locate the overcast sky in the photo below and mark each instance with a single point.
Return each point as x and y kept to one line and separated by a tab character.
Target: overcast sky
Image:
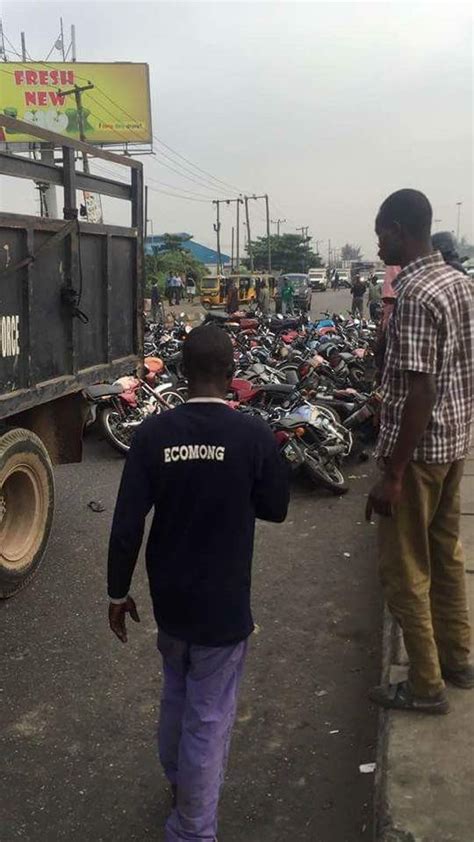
328	107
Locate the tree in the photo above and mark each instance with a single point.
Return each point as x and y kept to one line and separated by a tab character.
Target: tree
350	252
290	253
174	242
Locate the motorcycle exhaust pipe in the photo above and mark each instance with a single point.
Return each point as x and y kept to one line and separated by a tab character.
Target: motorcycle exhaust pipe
333	449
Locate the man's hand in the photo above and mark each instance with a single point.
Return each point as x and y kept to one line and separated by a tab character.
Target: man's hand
117	615
384	496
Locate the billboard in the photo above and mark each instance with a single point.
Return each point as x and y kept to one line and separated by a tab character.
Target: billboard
115	110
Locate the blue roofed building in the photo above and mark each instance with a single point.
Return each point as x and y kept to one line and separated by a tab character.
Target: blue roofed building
206	255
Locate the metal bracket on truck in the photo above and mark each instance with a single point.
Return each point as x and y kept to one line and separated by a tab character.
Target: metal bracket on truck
71	304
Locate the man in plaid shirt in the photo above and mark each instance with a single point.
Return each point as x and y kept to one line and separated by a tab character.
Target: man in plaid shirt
426	417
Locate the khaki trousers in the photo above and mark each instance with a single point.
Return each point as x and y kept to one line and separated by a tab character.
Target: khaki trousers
422	573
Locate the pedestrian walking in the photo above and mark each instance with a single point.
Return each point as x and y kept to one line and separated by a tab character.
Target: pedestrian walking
232	298
264	297
170	290
199	567
155	301
375	298
287	297
426	417
358	290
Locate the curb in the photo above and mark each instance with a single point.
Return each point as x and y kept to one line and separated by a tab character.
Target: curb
392	653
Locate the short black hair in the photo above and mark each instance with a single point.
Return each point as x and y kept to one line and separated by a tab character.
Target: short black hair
410	208
208	354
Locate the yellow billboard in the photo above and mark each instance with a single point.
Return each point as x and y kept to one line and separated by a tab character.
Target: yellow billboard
115	109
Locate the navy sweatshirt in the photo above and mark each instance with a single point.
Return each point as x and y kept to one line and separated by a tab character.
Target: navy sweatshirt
209	471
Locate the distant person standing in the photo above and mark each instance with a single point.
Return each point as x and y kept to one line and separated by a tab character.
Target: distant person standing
375	298
169	289
179	289
287	298
264	296
358	290
232	298
155	301
190	289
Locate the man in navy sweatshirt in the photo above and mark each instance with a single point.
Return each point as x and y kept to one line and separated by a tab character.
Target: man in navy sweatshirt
199	556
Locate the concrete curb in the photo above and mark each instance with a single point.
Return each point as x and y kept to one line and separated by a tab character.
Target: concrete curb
383	827
393	653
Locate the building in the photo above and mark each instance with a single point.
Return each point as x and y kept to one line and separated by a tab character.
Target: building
204	254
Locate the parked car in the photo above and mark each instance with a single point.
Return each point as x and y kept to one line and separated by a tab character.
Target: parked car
318	280
302	291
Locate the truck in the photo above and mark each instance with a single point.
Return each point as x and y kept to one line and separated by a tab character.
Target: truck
71	315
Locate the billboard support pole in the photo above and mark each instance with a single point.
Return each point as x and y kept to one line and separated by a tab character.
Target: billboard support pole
73	42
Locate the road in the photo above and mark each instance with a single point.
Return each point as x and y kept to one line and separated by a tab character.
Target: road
77	749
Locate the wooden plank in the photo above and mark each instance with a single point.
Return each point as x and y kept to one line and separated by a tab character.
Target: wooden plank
61	140
22	399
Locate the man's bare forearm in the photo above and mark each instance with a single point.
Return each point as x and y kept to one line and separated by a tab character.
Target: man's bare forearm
416	416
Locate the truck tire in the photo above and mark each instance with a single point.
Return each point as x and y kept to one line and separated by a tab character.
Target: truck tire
26	508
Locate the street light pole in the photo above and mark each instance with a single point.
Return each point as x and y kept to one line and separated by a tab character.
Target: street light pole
459	220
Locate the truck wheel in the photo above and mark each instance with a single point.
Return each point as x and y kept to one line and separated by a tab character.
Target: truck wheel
26	508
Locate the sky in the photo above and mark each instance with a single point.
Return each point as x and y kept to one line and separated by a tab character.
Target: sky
327	107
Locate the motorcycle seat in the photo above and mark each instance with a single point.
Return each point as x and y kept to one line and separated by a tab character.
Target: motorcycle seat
101	390
291	422
278	388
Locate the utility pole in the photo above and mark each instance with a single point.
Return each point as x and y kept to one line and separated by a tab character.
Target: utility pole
458	228
3	53
249	236
304	237
62	39
269	242
237	242
329	252
73	42
239	201
78	91
47	192
277	222
217	229
232	252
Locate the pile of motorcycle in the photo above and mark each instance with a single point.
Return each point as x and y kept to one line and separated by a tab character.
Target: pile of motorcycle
311	382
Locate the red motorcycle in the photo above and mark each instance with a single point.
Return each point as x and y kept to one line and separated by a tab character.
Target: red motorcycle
121	407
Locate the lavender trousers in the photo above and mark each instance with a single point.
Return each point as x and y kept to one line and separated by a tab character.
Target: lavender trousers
198	707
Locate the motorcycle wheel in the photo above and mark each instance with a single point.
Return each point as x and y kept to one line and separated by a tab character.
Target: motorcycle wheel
326	474
110	423
356	376
172	399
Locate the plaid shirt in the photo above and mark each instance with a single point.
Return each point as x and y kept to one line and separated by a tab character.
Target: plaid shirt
431	331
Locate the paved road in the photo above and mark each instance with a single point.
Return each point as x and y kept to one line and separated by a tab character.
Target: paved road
77	753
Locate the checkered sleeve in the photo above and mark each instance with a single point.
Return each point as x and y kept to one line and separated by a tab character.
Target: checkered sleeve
418	335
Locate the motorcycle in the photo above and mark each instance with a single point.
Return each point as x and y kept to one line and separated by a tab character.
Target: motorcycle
121	407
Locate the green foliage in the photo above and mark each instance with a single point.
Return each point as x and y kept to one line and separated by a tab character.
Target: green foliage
158	267
173	242
290	253
350	252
